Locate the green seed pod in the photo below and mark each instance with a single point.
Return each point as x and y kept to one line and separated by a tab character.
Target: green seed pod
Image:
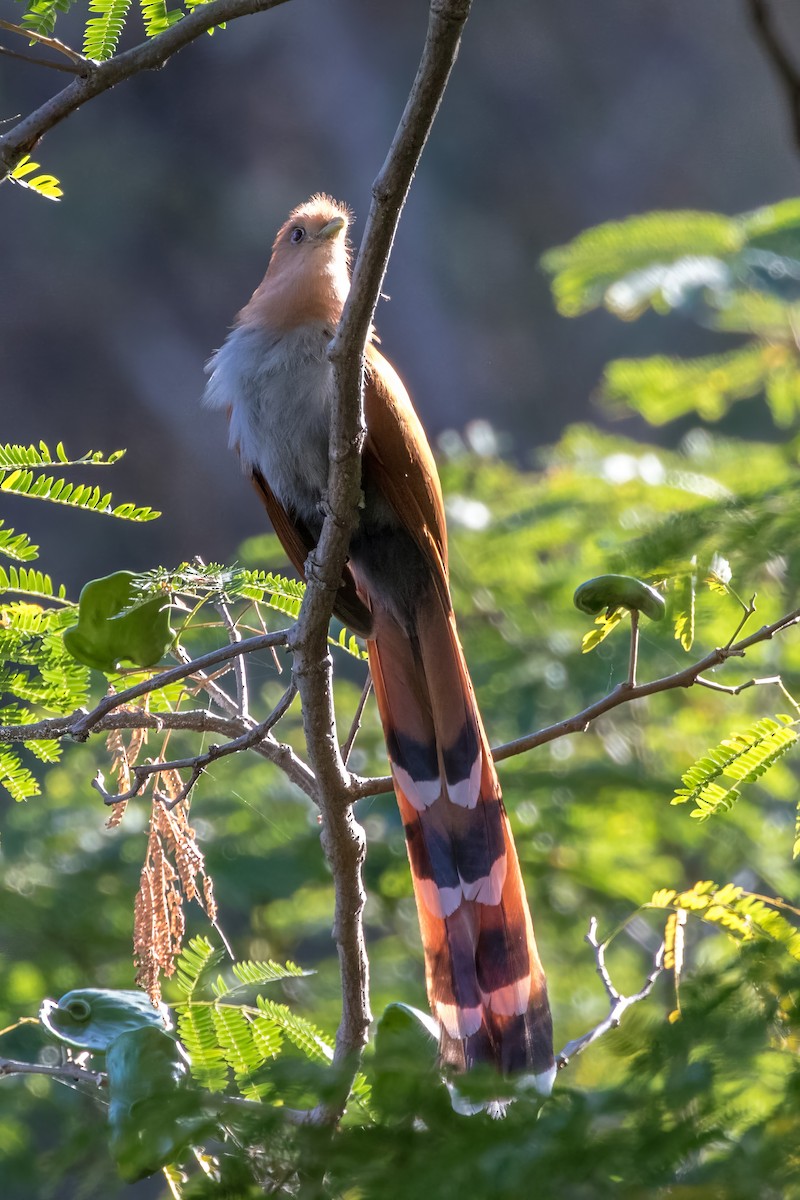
91	1018
619	591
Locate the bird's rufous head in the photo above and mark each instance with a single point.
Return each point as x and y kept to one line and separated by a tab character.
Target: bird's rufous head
308	276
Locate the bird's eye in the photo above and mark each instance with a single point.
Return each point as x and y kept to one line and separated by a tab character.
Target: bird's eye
297	235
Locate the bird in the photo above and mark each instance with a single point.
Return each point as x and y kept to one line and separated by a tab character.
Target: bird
485	982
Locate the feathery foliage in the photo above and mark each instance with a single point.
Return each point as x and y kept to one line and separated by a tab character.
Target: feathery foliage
213	583
738	275
156	17
16	545
223	1036
13	456
40	15
17	476
740	913
743	757
102	32
44	185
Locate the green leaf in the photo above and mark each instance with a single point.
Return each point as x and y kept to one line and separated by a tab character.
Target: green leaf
662	389
113	627
15	777
198	1033
242	1052
41	14
196	959
255	973
157	17
605	623
153	1116
103	32
16	545
44	185
584	269
13	455
305	1036
58	491
35	667
742	914
743	757
30	583
405	1062
684	591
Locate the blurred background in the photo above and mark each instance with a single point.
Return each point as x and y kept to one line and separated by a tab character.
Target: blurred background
557	117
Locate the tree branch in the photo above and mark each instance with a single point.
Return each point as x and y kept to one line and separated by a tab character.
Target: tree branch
31	35
618	1004
342	837
355	725
99	77
197	764
623	693
115	715
69	1072
787	73
83	727
190	720
36	60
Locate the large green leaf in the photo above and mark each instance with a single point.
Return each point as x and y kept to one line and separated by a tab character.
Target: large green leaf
113	627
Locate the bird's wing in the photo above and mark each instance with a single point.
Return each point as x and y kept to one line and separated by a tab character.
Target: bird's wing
298	544
398	459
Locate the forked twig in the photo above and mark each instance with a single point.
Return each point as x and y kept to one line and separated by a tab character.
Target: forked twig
618	1004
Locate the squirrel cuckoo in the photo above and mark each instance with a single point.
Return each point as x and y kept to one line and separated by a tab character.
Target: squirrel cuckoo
485	981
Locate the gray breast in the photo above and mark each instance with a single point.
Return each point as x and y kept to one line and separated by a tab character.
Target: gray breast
278	391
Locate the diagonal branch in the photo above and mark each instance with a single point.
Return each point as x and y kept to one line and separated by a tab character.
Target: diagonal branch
788	74
622	694
116	714
36	60
190	720
342	838
31	35
100	77
83	727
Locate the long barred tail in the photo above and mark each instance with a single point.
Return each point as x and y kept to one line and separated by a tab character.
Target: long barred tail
486	985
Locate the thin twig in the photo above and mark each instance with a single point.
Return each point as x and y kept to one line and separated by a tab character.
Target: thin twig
203	721
736	689
238	663
190	721
748	610
203	681
618	1004
633	660
37	61
69	1071
622	694
356	725
32	35
141	772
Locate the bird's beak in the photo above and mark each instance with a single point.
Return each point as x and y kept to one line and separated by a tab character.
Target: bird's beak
332	229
